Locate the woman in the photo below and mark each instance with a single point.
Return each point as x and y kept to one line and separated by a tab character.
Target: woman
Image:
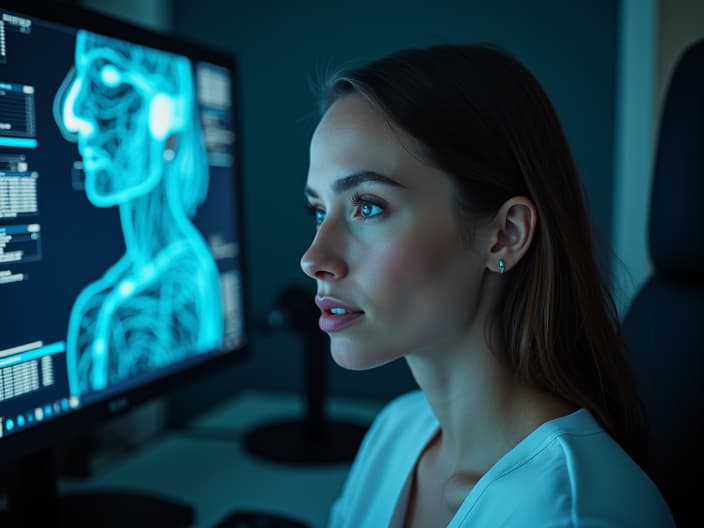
452	231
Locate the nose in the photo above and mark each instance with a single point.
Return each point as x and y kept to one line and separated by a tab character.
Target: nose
323	260
73	113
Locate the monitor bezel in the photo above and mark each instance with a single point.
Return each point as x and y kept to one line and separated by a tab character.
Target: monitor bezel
55	432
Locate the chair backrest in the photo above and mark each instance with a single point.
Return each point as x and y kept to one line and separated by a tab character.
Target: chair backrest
664	326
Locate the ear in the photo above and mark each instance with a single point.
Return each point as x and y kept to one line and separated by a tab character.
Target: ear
511	233
162	114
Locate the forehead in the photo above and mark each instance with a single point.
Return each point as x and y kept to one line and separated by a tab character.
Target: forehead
355	136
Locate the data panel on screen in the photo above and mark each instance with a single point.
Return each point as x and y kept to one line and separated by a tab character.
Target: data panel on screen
119	250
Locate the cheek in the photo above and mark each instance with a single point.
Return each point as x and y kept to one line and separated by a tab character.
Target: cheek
391	265
419	291
415	272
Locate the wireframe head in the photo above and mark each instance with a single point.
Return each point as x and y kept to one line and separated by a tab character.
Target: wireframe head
127	107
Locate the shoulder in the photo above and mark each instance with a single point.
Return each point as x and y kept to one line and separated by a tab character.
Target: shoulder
571	472
605	484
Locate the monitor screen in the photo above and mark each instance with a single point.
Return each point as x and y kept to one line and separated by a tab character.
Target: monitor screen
120	241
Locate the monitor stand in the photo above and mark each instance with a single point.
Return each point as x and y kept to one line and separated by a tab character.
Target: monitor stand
306	441
33	500
313	438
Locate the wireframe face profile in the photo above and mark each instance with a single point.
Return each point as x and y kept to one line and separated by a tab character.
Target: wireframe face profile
131	110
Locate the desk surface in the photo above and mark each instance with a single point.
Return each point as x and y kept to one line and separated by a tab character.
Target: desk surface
208	467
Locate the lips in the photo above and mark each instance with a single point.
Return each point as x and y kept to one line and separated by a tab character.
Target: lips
336	315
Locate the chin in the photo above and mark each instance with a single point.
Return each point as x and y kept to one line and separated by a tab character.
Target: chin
352	356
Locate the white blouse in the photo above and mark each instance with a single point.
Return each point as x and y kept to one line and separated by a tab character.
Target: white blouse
567	473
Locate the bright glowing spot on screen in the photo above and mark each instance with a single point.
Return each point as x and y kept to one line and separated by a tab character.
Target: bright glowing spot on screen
161	115
126	287
110	76
39	414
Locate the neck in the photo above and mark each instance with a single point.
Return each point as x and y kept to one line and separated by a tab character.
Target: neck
150	223
482	410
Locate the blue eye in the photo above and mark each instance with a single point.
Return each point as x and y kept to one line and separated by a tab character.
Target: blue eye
369	210
317	213
319	217
365	208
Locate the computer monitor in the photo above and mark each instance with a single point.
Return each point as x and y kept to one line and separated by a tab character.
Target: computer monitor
121	261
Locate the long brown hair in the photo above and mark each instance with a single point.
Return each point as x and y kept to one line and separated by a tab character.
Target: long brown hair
484	119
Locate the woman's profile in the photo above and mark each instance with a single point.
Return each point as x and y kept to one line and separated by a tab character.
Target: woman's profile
452	231
132	111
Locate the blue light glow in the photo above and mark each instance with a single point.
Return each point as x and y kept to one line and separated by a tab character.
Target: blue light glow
18	142
133	113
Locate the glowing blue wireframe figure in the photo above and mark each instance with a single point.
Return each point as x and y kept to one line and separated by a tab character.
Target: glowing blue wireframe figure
132	111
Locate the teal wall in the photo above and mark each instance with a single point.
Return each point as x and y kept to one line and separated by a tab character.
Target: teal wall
282	48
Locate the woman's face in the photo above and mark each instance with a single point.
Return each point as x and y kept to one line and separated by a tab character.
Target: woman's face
394	276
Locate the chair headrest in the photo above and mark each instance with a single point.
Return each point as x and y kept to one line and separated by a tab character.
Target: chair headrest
677	194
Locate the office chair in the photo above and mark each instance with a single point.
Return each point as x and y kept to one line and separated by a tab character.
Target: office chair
664	327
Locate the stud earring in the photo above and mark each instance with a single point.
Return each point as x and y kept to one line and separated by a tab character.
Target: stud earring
502	266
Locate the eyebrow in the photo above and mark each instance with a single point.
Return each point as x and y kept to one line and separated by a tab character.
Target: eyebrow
354	180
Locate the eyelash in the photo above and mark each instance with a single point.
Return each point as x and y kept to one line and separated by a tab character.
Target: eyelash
357	201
